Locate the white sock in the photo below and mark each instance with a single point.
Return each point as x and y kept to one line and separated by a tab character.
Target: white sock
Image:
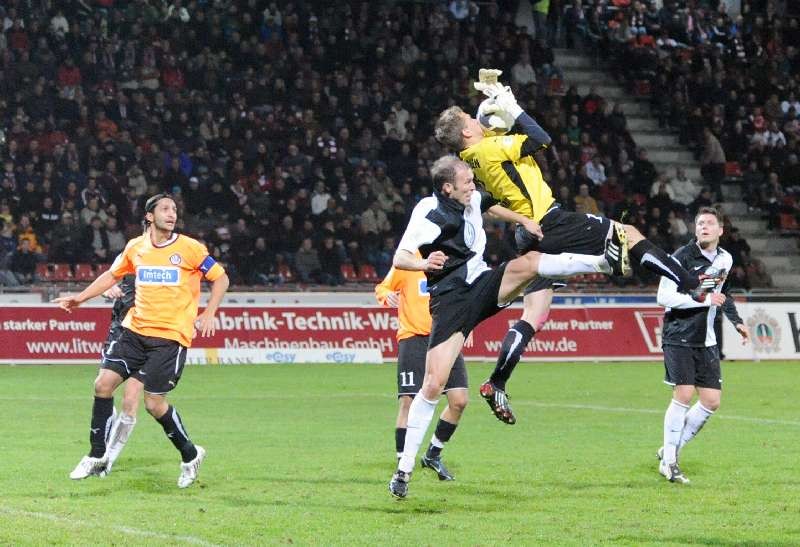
569	264
436	442
696	418
420	414
123	426
673	426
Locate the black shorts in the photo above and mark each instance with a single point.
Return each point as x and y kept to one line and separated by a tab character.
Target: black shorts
687	366
568	232
156	362
411	367
463	307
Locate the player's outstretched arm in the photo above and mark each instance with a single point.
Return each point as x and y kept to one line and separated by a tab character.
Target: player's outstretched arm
205	321
406	260
500	212
100	285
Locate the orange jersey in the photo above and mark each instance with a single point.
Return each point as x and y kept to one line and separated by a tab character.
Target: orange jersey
413	311
167	285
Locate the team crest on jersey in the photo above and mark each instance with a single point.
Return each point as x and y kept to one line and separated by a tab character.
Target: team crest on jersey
175	259
508	142
766	332
469	233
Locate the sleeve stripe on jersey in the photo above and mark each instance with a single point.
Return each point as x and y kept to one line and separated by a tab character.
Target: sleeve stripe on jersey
516	178
207	264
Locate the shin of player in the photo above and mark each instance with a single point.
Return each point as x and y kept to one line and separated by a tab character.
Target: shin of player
691	356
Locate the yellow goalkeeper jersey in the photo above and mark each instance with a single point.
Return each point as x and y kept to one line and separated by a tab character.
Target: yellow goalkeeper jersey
512	177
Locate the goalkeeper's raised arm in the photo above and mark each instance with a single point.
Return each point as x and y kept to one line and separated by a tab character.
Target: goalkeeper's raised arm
506	101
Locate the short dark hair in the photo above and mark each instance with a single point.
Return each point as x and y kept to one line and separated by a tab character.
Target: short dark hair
444	170
709	211
448	128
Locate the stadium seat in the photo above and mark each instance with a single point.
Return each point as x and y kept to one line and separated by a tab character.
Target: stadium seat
366	272
556	85
43	272
285	273
789	223
61	272
84	272
348	272
733	169
641	87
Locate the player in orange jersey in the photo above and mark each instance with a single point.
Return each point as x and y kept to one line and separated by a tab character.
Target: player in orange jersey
408	292
157	331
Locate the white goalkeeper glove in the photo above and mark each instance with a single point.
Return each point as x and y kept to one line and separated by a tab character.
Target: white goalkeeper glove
487	82
506	101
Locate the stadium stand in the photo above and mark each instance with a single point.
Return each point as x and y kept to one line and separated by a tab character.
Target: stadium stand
273	122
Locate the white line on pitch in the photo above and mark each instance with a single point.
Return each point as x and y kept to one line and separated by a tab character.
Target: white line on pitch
651	411
83	523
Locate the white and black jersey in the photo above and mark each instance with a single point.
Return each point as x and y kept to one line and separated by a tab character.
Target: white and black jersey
688	322
440	223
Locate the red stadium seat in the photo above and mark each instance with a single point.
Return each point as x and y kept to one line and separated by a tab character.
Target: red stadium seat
366	272
285	272
43	272
556	85
348	272
789	222
645	40
84	272
641	87
733	169
61	272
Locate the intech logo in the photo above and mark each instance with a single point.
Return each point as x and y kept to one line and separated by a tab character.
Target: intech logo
157	275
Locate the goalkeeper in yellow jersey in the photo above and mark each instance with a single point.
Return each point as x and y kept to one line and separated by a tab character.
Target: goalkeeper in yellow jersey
505	167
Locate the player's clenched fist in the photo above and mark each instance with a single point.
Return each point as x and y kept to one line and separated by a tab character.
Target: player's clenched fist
435	261
67	303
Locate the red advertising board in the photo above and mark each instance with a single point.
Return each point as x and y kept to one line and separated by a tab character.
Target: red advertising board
46	334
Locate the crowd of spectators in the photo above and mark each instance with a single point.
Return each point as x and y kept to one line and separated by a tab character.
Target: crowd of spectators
727	85
295	136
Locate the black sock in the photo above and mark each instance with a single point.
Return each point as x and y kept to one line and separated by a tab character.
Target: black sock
399	439
101	412
514	344
659	262
173	427
444	430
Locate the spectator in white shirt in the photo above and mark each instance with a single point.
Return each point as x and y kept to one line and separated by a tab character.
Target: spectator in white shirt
522	73
791	102
683	189
775	136
660	181
319	199
595	170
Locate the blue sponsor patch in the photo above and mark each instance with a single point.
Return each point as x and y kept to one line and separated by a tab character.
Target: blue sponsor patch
157	275
423	286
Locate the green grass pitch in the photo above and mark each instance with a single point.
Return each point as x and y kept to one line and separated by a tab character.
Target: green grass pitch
303	454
